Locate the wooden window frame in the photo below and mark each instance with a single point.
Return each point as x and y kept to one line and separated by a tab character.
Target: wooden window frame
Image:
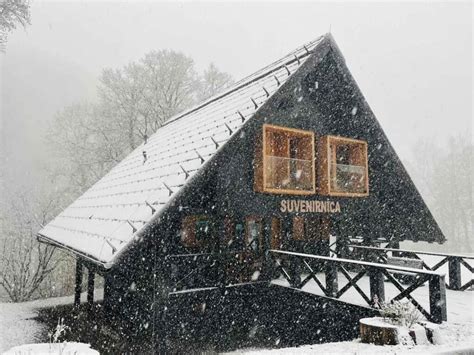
260	164
299	229
189	227
324	173
276	241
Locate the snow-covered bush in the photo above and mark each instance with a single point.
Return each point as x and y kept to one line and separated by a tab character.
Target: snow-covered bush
58	332
400	313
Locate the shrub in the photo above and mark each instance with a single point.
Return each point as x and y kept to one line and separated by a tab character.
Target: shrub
400	313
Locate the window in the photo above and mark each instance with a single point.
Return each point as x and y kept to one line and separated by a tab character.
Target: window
285	161
344	167
195	231
202	230
254	233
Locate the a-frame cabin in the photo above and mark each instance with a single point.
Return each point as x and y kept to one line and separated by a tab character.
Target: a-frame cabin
281	160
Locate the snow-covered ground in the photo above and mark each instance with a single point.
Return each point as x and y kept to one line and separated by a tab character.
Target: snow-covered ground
17	323
457	339
53	349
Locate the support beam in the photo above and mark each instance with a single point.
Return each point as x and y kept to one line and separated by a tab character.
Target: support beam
377	286
90	287
332	285
77	288
395	244
108	279
342	243
437	290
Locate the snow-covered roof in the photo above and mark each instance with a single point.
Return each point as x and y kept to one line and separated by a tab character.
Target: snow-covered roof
101	222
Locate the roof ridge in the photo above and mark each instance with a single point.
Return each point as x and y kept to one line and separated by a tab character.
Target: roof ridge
249	79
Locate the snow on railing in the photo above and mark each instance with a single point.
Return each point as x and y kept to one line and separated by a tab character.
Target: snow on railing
454	261
294	266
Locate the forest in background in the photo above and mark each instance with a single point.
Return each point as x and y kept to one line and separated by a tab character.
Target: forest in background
443	173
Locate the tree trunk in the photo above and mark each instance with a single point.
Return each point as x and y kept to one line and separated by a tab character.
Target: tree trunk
377	332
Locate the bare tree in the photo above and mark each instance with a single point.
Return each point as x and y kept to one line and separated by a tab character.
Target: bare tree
122	91
25	265
12	13
85	142
171	85
213	82
142	96
24	262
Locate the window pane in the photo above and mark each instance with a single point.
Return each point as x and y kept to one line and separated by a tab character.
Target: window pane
202	230
349	178
290	174
348	168
288	159
253	230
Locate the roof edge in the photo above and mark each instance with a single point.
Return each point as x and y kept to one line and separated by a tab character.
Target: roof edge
44	239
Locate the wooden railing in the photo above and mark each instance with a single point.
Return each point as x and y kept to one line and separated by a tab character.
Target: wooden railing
218	270
298	269
455	261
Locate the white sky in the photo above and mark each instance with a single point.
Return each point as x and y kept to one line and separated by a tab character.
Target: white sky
413	61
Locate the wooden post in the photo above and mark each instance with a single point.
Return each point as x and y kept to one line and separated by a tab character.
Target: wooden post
437	289
108	279
332	285
341	247
77	288
377	286
395	245
293	270
454	268
90	287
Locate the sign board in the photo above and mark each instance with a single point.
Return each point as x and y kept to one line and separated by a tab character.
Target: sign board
311	206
